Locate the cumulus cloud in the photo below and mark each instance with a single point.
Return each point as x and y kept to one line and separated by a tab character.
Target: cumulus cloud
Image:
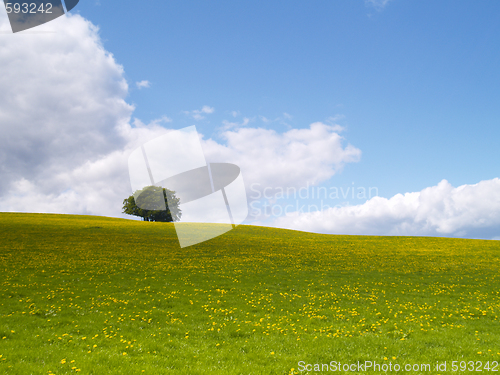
64	122
441	210
143	84
293	158
162	120
60	102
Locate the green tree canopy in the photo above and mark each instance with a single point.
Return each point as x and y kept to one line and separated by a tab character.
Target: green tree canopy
153	203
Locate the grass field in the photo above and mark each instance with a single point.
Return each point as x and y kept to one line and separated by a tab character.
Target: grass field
93	295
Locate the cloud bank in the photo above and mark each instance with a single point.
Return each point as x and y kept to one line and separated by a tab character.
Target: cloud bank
441	210
62	102
272	159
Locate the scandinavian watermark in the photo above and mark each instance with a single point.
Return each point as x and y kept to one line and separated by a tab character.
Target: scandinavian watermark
278	201
313	192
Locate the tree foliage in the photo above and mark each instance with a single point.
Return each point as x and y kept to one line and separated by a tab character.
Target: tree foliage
153	203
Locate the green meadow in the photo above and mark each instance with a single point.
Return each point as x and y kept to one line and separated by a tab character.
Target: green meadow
94	295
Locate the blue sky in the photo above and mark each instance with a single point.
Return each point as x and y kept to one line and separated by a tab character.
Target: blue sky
411	86
415	81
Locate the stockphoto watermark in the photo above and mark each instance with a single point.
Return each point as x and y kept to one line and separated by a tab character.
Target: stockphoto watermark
452	366
277	201
368	366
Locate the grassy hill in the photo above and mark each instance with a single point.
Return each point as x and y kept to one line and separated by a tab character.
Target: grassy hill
94	295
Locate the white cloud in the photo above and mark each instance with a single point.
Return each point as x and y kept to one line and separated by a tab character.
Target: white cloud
143	84
64	122
293	158
164	119
441	210
95	187
61	97
207	109
199	114
231	125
